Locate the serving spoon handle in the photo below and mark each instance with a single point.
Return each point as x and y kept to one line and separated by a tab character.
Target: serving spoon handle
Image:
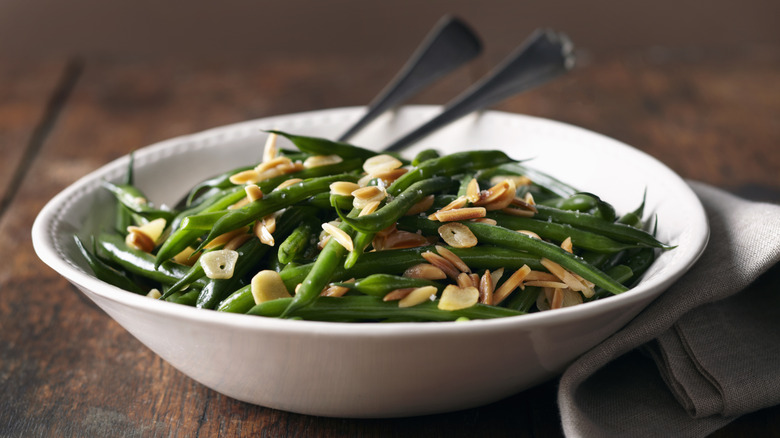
545	55
450	44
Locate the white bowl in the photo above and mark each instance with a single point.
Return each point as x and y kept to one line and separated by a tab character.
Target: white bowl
377	370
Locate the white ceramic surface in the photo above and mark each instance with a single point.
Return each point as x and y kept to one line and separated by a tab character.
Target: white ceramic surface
377	370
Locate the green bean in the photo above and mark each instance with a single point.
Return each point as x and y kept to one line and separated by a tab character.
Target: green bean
239	301
188	298
321	273
180	239
322	146
216	290
221	182
379	285
294	245
134	200
272	202
107	273
448	165
617	231
425	155
368	308
139	262
581	239
123	215
393	210
501	236
540	179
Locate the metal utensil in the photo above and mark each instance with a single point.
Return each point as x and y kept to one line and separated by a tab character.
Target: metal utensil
545	55
450	44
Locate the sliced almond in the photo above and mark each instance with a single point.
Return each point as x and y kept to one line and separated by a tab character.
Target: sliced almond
340	235
397	294
418	296
565	276
237	241
550	284
521	212
485	220
268	285
452	258
187	257
425	271
245	177
263	233
460	214
525	205
381	163
365	195
567	246
404	239
457	235
510	284
276	162
321	160
486	289
288	183
270	150
557	300
242	202
224	238
472	191
422	206
456	298
154	293
540	276
464	280
391	175
459	202
253	192
441	263
343	188
369	208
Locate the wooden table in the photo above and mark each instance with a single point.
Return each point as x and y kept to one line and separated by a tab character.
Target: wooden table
66	369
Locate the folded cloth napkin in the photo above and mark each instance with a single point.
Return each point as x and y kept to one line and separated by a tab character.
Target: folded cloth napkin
703	353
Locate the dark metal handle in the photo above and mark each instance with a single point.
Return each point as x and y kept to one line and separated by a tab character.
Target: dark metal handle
543	56
449	45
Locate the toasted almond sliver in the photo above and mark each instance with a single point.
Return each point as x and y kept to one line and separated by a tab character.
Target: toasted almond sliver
276	162
253	192
343	188
288	183
379	242
563	275
270	150
237	241
340	235
263	233
475	279
268	285
525	205
571	298
521	212
418	296
381	163
529	199
219	264
510	284
457	235
567	246
365	195
452	258
496	275
557	301
154	228
270	222
369	208
540	276
550	284
404	239
334	291
460	214
504	199
321	160
187	257
391	175
242	202
464	280
422	206
139	240
425	271
485	220
486	288
492	194
244	177
441	263
154	293
222	239
472	191
397	294
456	298
459	202
530	234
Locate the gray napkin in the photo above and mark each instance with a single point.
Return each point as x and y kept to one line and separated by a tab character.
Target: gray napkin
703	353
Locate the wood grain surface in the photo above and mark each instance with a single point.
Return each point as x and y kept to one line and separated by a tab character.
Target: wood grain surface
66	369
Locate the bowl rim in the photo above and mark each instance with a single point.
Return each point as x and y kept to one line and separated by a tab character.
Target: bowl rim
44	239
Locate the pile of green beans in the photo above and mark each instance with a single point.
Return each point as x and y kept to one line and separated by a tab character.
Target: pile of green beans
610	253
